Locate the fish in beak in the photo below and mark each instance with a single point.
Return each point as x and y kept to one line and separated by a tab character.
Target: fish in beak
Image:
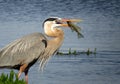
72	26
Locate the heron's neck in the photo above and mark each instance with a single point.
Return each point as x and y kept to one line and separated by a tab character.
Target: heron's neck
53	32
56	33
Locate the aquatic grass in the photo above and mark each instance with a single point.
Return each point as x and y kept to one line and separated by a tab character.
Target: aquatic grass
12	78
88	52
70	52
91	52
75	52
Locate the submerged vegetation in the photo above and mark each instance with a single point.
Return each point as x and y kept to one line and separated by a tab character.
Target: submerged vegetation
12	78
75	52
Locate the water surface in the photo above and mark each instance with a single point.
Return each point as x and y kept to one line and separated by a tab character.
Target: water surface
100	27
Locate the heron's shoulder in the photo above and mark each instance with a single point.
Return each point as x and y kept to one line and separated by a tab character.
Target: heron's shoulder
27	42
30	39
34	35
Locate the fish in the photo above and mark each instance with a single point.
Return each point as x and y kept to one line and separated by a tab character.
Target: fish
75	28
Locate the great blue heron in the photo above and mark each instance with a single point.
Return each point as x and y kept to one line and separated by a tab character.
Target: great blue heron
22	53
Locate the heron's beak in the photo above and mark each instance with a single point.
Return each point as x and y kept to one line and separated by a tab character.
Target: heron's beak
71	20
67	20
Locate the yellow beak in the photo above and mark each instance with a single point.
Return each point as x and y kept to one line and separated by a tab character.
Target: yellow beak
72	20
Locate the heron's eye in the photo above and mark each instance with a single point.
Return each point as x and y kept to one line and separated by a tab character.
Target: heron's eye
58	22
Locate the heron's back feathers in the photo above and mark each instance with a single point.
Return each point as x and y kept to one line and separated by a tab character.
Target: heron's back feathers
23	50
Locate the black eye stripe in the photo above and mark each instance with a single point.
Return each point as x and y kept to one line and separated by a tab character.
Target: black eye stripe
50	19
58	22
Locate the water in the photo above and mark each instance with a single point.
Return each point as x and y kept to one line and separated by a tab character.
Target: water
100	27
102	68
82	70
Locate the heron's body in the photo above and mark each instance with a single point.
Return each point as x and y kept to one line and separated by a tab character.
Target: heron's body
27	50
22	53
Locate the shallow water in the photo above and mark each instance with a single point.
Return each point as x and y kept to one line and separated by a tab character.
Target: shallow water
81	69
102	68
100	27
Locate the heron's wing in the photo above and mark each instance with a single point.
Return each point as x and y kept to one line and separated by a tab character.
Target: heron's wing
23	50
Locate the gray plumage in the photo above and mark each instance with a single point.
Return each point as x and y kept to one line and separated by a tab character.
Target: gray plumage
22	53
23	50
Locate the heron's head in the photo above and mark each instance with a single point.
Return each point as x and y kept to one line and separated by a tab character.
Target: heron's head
52	24
58	22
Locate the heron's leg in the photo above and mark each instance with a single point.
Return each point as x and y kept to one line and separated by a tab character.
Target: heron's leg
19	74
26	76
22	69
